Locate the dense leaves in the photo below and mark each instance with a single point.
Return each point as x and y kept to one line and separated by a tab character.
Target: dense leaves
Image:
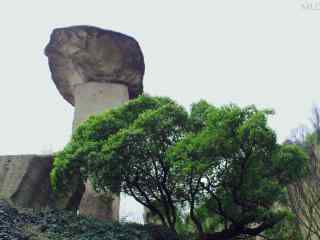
10	219
169	159
80	155
49	224
59	225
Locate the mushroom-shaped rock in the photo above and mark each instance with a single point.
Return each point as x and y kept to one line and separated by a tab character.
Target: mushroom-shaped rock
82	54
95	69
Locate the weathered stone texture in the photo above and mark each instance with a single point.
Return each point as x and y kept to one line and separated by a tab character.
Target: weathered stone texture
24	180
82	54
101	206
95	70
93	98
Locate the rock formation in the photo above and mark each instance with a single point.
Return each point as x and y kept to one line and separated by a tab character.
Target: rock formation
24	180
95	69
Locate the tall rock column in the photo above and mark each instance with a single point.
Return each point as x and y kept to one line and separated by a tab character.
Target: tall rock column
95	69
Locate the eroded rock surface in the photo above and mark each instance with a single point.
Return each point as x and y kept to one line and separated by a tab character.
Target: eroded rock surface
24	180
95	70
82	54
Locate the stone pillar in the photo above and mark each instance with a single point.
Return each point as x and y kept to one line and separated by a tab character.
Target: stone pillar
98	205
92	98
94	69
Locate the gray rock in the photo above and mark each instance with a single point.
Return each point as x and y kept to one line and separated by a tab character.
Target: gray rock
82	54
94	70
24	180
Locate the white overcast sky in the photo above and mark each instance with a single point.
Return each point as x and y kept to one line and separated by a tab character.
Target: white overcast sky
263	52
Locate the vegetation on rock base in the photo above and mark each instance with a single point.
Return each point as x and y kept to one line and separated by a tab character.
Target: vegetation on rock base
48	224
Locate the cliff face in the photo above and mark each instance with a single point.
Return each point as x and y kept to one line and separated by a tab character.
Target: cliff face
25	180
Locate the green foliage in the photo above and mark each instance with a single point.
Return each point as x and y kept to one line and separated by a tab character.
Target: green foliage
79	155
284	230
67	225
168	159
239	165
50	224
64	225
210	222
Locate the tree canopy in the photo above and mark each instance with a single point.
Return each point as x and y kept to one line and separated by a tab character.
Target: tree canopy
168	158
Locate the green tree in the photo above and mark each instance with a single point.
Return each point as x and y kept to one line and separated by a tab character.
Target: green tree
168	159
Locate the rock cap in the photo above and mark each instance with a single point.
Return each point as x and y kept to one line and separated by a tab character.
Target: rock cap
81	54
